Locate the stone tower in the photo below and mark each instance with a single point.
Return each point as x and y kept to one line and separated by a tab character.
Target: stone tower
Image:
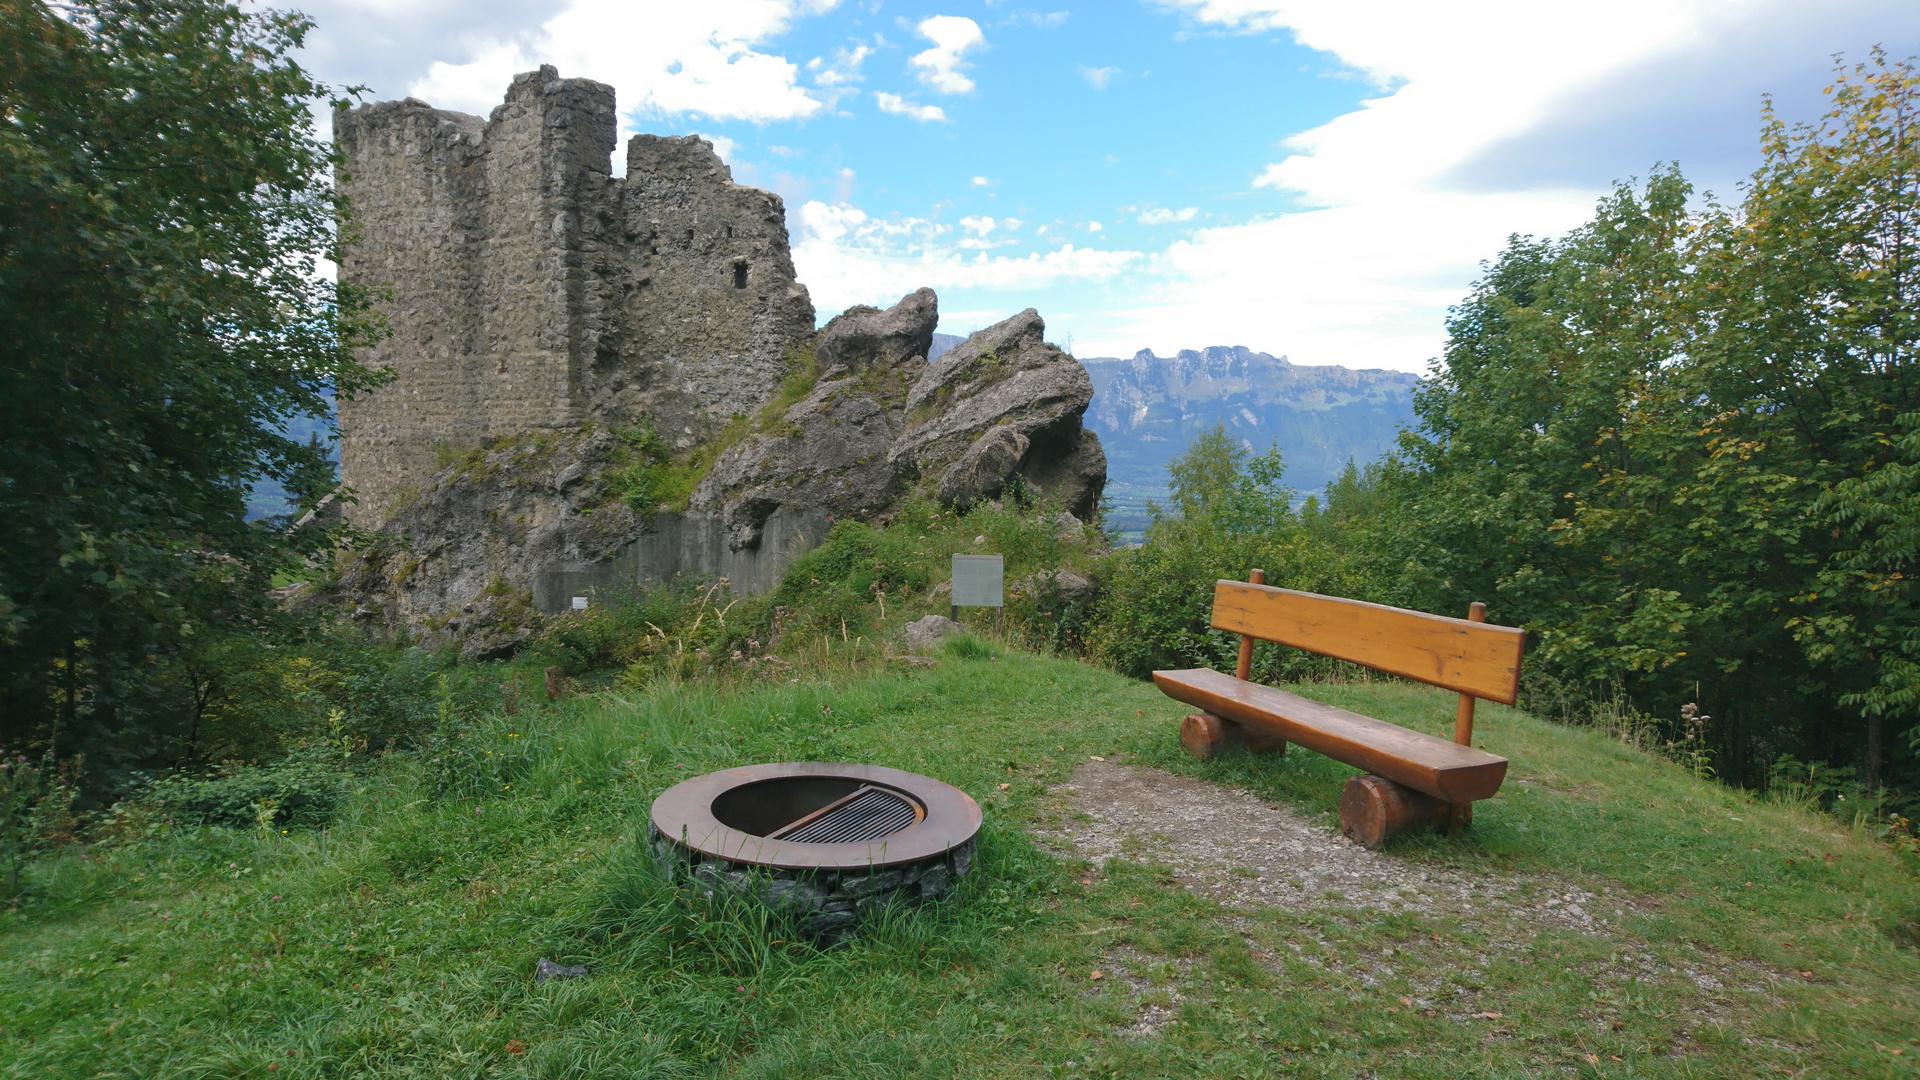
529	289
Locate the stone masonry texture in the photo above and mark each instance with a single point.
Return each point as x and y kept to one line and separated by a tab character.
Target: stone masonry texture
528	289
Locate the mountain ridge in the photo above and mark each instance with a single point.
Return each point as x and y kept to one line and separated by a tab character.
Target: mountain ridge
1147	408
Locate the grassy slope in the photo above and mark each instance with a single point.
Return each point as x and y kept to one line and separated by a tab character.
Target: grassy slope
402	942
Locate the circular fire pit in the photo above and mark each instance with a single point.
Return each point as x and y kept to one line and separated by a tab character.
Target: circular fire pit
831	844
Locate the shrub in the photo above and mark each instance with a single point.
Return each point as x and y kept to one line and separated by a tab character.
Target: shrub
302	790
1231	514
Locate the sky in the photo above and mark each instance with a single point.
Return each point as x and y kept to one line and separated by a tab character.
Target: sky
1318	179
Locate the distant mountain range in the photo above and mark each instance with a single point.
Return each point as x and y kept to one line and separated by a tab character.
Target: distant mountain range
1148	408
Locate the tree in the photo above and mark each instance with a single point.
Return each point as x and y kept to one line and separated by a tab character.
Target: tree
1672	443
164	213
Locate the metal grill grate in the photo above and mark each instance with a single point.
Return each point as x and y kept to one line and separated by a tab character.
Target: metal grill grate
867	814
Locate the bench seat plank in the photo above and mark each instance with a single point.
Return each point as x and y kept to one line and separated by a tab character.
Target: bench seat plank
1442	769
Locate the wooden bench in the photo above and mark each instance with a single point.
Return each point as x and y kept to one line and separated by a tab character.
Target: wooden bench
1413	778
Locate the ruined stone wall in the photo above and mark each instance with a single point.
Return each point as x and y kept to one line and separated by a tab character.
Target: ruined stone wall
530	289
707	306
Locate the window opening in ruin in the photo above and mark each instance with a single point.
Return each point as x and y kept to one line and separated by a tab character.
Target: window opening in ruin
729	232
689	236
739	275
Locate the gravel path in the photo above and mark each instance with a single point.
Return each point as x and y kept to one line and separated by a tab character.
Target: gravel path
1248	854
1243	852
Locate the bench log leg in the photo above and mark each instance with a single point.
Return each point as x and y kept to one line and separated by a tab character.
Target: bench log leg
1205	735
1373	808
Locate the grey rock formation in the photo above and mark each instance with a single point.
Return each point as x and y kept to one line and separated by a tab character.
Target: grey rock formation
1004	396
531	290
925	634
451	566
516	531
865	337
830	450
882	422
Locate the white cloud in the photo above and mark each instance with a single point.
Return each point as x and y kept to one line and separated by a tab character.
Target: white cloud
721	145
847	257
700	59
953	36
1364	286
825	223
899	106
1160	215
844	70
981	181
1093	226
1450	75
1388	241
1098	77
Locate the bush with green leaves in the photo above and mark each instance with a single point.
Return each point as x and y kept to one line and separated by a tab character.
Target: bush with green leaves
301	790
1230	514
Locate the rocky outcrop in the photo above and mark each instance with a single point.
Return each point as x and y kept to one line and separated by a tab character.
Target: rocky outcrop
882	423
453	565
523	525
830	450
927	634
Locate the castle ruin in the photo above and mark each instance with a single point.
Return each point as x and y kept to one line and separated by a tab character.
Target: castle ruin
530	289
542	308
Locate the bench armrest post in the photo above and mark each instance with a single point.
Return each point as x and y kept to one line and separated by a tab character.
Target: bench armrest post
1463	720
1245	667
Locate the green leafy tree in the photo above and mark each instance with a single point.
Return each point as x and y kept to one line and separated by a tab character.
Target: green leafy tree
165	211
1232	512
1664	442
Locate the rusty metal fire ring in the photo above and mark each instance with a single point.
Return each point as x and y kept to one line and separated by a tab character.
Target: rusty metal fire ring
740	815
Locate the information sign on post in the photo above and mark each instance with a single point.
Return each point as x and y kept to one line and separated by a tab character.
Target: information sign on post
978	582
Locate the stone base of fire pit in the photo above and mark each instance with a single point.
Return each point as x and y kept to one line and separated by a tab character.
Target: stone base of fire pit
829	844
828	904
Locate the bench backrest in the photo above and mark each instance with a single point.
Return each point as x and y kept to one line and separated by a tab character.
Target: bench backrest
1473	658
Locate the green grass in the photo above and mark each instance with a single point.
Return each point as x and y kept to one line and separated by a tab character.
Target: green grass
401	941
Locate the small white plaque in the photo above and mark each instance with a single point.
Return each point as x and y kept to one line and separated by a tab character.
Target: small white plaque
579	603
978	580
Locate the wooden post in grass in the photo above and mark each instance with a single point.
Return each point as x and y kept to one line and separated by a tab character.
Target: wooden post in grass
1461	813
1245	668
1463	720
1205	735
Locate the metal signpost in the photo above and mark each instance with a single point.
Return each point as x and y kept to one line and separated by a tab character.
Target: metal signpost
978	581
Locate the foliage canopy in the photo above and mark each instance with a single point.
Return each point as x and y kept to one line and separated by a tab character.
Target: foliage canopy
1679	444
164	213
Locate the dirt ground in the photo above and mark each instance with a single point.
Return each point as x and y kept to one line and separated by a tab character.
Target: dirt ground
1248	854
